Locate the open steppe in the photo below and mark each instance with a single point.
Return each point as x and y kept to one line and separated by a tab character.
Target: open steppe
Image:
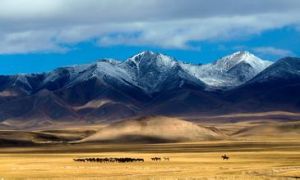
248	160
257	150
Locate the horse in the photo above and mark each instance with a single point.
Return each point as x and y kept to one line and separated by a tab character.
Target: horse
225	157
156	159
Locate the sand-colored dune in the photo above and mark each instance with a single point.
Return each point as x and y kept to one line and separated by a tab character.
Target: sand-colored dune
154	129
270	129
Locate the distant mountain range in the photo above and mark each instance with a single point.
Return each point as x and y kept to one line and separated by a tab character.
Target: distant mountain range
152	84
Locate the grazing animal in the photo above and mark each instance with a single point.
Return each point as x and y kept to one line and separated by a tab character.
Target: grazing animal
166	158
109	160
140	160
79	160
225	157
156	159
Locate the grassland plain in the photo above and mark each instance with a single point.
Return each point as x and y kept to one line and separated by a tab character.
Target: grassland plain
257	150
248	160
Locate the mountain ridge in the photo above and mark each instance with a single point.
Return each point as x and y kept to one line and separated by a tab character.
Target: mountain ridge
151	84
164	62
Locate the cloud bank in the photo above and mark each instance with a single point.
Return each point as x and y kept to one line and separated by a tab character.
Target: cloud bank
273	51
53	25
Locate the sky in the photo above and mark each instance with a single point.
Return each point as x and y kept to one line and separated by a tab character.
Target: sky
39	36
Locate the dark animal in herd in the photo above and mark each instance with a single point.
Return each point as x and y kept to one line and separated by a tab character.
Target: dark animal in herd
126	160
225	157
156	159
118	160
166	158
159	158
108	160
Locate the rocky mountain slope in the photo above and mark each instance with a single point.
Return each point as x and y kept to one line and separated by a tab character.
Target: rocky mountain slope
151	84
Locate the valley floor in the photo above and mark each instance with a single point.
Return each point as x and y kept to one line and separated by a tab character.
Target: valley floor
257	150
270	159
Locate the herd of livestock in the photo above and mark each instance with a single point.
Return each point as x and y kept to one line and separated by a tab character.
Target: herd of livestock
118	160
127	160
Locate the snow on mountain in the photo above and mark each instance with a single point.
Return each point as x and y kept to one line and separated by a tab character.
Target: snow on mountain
142	61
113	71
22	81
107	72
284	69
229	71
151	57
149	71
228	62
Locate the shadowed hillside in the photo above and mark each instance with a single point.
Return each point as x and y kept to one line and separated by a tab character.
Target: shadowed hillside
154	129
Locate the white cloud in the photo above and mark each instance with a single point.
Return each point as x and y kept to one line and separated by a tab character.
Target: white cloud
46	25
29	41
273	51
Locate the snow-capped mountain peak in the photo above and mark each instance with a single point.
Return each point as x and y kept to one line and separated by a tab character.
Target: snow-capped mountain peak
109	60
149	71
228	62
285	68
229	71
144	53
149	57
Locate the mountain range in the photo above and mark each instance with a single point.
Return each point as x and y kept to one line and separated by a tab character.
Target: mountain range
151	84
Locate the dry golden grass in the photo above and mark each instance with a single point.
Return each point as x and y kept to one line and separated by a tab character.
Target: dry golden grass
248	160
257	150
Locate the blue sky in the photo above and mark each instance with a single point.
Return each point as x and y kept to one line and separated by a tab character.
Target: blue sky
44	35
